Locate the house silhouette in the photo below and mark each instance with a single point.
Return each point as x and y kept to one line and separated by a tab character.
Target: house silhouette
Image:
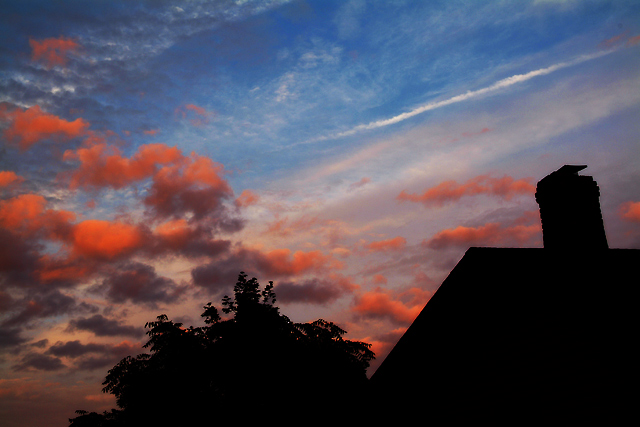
519	335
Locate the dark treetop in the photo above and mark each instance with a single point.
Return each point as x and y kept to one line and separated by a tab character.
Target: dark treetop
255	365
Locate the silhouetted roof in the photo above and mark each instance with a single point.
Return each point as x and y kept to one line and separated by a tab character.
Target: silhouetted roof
520	330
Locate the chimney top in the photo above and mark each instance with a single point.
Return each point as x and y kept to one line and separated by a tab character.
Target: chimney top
570	169
570	210
564	173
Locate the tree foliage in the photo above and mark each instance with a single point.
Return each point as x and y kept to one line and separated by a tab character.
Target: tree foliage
255	363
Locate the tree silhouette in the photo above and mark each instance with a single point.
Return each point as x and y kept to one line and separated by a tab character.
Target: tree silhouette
254	364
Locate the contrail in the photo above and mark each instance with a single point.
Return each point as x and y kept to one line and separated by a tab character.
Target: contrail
501	84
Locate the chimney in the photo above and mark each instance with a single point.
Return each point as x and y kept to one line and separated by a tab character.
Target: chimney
570	210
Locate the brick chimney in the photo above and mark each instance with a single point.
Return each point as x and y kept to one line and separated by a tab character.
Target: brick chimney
570	210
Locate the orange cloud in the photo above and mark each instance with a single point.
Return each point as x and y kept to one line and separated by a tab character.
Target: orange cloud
173	228
33	125
26	215
247	198
203	170
630	211
175	233
8	178
103	165
52	51
447	191
151	131
105	240
194	185
17	211
380	303
633	40
280	262
464	236
488	234
180	184
386	245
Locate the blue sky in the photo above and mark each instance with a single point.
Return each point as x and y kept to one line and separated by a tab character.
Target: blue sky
351	151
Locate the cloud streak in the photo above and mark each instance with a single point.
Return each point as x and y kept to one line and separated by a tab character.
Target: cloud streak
501	84
524	231
448	191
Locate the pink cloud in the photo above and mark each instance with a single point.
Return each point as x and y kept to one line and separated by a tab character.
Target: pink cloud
491	234
364	181
471	134
608	43
197	116
247	198
393	244
448	191
633	40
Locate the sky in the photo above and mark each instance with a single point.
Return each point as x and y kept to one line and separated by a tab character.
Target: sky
349	151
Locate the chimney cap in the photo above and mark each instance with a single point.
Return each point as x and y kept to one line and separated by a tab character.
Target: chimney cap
570	169
566	172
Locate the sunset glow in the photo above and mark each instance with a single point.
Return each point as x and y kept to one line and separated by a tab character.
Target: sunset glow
349	151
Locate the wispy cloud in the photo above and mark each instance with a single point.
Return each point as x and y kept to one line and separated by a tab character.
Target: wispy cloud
501	84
